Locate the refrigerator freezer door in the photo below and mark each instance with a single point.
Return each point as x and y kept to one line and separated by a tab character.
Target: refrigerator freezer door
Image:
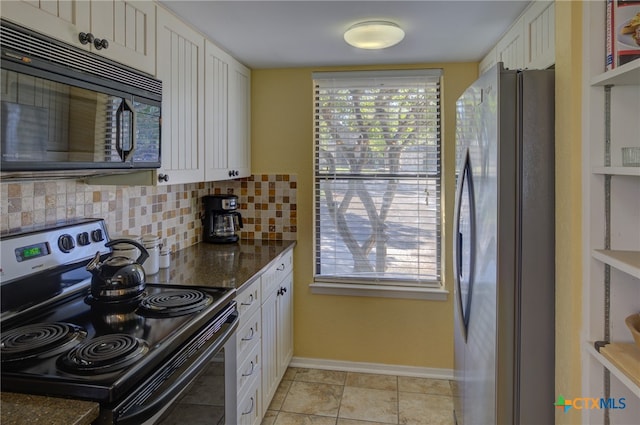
478	128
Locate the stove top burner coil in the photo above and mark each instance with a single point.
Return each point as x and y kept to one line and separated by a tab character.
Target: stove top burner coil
174	303
39	340
103	354
118	305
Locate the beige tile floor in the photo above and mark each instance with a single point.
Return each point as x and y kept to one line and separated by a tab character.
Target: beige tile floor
326	397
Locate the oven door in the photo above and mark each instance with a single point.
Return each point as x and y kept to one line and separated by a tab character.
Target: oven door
159	397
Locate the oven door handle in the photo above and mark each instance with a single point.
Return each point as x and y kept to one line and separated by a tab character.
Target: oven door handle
133	412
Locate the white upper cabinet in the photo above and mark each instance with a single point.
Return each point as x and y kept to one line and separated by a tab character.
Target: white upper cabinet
181	69
529	43
239	159
227	111
206	107
510	48
127	26
487	62
539	35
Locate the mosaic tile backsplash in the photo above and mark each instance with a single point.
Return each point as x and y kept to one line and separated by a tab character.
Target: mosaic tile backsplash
267	204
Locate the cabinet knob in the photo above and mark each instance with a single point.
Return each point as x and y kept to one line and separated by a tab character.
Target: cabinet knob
85	38
100	44
163	177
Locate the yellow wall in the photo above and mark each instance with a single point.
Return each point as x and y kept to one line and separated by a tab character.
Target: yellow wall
568	204
360	329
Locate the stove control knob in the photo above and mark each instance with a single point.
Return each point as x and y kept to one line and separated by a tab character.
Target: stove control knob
66	243
97	235
83	239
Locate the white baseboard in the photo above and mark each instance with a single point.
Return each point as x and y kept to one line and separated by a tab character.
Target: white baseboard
380	368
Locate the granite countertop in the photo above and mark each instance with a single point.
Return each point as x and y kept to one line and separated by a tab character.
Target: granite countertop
229	265
19	409
220	265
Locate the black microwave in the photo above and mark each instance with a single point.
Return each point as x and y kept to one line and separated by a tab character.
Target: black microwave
66	111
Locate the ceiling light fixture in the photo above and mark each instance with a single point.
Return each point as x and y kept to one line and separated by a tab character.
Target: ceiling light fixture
374	35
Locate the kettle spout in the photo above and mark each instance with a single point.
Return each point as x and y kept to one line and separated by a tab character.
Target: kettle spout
94	265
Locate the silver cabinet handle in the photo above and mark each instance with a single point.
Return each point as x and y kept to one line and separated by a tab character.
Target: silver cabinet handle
253	368
251	408
250	337
250	300
281	267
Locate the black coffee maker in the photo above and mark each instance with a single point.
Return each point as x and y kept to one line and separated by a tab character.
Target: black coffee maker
221	220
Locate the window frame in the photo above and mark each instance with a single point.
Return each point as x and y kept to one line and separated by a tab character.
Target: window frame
419	289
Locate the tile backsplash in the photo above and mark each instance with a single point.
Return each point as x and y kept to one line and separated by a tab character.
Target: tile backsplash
267	204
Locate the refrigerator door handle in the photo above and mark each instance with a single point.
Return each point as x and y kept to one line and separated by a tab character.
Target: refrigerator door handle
459	251
465	240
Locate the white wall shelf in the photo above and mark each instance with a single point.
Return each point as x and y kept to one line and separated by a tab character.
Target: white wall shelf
626	75
610	226
626	261
615	370
617	171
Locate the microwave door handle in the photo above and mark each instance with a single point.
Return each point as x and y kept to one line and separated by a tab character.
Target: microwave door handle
125	106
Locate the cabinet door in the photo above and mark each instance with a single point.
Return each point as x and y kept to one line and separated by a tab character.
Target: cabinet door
180	66
539	32
129	27
239	120
249	406
216	124
269	348
510	49
227	110
285	324
60	19
487	62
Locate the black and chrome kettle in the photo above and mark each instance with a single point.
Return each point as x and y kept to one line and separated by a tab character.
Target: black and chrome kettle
117	278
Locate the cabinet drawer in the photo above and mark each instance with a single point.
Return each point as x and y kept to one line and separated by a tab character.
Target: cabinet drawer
249	405
249	301
249	368
248	335
279	269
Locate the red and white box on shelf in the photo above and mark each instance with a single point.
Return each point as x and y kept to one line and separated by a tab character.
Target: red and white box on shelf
623	32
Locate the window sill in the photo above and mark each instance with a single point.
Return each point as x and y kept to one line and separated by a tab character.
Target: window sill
382	291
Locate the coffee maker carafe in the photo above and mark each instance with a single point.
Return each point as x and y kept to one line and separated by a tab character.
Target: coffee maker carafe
221	221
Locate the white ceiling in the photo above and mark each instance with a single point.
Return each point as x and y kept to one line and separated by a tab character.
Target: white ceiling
282	34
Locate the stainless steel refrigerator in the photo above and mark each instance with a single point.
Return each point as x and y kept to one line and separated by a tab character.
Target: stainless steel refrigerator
504	250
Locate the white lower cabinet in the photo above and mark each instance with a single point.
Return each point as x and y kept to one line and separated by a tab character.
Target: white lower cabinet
250	405
269	352
277	324
264	340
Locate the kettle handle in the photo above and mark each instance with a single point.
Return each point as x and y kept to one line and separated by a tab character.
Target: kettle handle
144	254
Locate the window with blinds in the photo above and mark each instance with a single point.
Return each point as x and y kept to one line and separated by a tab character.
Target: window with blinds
377	177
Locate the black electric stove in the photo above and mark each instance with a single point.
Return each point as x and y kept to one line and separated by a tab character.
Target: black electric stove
132	356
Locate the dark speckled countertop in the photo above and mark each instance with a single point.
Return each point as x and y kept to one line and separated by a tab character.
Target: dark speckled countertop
203	264
221	265
20	409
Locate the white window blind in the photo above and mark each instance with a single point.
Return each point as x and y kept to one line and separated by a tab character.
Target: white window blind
377	177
